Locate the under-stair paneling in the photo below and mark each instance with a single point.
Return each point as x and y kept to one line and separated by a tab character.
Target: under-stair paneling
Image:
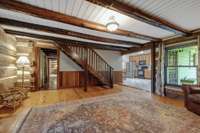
70	79
8	68
72	75
117	77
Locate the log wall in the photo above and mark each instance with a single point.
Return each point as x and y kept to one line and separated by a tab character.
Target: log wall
8	68
25	48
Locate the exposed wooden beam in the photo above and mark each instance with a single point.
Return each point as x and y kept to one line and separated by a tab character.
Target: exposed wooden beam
140	15
137	49
67	41
166	42
192	36
63	32
180	39
56	16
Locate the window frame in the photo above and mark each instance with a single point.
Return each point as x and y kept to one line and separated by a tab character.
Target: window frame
180	45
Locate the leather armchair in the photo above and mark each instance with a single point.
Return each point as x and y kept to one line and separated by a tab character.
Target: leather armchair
192	98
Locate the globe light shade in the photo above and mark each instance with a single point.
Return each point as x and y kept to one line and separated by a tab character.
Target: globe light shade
112	26
23	60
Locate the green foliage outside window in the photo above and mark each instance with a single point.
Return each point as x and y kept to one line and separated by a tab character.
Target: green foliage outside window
182	65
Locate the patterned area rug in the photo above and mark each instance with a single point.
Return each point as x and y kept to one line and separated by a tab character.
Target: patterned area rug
125	112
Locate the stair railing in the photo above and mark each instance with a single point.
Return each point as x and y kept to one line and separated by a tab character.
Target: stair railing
95	64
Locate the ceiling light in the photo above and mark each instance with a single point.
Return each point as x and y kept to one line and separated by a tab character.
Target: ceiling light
141	52
112	25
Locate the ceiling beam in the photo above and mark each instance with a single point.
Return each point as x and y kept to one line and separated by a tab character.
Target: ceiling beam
180	39
134	49
67	41
64	32
56	16
140	15
192	36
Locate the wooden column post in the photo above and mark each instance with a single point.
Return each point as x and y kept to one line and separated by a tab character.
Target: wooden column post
59	80
159	74
111	77
37	68
198	68
153	68
86	69
163	91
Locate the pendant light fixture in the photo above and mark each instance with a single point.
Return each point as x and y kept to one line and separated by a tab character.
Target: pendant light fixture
112	25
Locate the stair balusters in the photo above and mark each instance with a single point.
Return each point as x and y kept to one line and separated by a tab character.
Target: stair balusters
91	62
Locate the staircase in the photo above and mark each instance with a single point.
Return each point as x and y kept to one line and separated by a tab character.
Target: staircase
91	62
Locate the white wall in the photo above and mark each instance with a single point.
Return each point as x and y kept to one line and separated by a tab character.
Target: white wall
113	58
66	64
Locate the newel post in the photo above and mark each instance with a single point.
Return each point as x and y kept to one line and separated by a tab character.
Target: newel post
86	69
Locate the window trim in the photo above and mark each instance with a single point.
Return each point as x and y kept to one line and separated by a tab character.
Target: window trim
179	45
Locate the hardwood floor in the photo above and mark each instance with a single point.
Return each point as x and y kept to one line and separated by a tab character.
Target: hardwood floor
41	98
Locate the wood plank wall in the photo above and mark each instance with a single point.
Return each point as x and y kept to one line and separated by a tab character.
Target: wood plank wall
8	68
117	77
70	79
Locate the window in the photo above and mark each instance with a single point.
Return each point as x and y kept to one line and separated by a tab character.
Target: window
181	67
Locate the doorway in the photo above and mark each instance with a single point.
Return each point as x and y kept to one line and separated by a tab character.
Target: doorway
52	73
48	68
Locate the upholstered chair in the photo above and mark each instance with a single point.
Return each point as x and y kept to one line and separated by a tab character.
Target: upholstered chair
192	98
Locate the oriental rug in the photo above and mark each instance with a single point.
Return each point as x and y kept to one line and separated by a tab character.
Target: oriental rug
129	111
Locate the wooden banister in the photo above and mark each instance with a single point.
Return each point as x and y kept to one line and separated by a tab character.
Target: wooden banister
91	62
